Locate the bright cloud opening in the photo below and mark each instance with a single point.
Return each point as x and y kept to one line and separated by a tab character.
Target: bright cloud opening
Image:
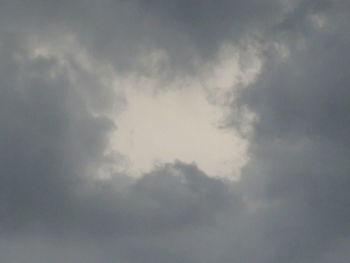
181	123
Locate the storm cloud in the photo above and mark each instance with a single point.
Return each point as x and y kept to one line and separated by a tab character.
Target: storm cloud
64	71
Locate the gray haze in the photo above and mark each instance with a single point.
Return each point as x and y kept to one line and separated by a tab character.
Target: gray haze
292	203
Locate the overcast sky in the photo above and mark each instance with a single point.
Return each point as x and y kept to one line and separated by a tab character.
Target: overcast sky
173	131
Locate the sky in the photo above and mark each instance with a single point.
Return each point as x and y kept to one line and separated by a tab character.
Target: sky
174	131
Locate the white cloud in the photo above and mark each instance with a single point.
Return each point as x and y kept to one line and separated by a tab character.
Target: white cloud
182	121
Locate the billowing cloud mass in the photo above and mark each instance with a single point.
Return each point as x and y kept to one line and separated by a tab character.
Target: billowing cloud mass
174	131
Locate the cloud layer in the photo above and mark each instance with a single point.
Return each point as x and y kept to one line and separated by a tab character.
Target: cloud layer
59	62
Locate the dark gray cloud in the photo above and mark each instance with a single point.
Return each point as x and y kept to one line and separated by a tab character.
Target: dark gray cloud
50	143
49	138
292	204
301	147
190	32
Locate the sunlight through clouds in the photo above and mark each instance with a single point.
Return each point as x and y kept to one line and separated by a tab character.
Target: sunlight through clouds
183	121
